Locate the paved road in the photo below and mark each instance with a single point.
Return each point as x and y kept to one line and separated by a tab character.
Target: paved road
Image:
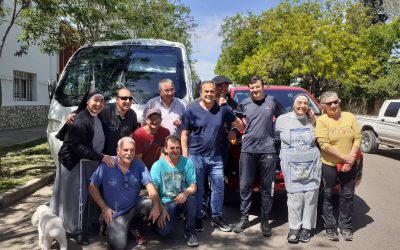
376	219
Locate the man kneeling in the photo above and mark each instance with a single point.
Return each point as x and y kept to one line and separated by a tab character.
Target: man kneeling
120	200
175	178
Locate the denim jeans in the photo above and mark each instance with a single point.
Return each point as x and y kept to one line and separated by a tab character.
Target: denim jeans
347	185
189	210
214	168
117	230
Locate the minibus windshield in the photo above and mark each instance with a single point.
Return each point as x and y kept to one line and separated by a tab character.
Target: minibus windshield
107	68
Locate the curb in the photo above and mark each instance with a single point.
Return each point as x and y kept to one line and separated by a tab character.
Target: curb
21	192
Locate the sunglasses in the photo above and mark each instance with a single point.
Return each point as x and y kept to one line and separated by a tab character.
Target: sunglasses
336	102
124	98
126	182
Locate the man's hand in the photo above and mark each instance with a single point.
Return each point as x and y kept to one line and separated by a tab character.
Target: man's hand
155	213
109	160
181	198
177	122
346	168
70	118
164	217
107	215
221	100
232	137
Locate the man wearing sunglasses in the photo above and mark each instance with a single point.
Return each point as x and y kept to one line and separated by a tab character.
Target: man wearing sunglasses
118	120
120	200
172	108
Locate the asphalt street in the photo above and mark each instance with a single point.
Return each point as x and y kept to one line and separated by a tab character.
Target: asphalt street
375	221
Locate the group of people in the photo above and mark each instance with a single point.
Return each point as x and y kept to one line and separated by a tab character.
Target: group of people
181	150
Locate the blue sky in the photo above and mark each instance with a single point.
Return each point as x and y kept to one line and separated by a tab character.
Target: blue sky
208	14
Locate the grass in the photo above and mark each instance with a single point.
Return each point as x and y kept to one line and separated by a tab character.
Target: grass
23	162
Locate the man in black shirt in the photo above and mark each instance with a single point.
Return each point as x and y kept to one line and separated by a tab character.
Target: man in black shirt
257	153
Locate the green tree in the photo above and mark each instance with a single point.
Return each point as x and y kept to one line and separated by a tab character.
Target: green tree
55	24
321	46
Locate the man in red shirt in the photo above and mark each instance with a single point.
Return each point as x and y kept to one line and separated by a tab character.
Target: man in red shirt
150	138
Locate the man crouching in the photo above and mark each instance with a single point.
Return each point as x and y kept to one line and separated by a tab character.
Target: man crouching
120	200
175	178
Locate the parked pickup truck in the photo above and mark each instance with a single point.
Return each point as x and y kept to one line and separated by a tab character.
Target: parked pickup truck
382	129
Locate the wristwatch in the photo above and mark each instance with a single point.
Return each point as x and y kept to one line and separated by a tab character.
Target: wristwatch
104	209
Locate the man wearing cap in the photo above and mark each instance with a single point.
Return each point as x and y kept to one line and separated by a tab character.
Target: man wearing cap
257	153
171	108
150	138
203	124
222	95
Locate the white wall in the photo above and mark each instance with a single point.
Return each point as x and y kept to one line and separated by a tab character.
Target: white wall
45	68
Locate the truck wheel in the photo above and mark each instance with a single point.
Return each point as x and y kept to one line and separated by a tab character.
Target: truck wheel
368	142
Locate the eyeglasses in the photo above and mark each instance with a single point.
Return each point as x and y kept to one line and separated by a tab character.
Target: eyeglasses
126	185
124	98
336	102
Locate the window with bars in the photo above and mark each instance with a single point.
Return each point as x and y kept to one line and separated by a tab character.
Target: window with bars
23	86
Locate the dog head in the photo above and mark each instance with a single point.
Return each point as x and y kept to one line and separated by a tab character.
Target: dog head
40	211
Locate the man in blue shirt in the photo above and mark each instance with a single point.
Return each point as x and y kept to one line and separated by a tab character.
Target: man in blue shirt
175	178
119	199
257	153
203	131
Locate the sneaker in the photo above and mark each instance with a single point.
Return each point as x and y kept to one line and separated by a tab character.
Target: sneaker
293	236
241	226
191	240
332	234
346	234
265	228
198	225
305	235
220	223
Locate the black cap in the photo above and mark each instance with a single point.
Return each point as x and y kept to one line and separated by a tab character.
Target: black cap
221	79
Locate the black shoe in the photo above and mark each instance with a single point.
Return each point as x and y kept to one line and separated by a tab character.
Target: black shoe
293	236
220	223
346	234
198	225
305	235
332	234
241	226
82	239
265	228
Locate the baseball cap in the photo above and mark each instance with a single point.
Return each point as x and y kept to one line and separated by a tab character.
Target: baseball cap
153	111
221	79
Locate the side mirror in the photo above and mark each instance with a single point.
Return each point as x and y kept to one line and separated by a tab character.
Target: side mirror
51	88
196	88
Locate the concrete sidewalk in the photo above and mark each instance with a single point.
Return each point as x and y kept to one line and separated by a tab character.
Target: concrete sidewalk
23	135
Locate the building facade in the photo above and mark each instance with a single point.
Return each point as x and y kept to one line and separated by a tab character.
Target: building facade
24	82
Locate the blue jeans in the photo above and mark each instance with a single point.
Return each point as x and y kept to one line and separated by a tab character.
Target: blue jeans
189	210
214	168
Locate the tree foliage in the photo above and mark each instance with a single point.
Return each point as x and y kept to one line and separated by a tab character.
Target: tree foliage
54	24
321	46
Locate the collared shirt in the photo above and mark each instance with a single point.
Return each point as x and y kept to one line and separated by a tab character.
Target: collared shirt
115	127
168	114
121	192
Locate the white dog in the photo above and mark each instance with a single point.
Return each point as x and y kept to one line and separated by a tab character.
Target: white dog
50	228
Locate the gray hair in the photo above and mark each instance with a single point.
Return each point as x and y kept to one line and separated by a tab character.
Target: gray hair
161	82
206	82
125	139
328	94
